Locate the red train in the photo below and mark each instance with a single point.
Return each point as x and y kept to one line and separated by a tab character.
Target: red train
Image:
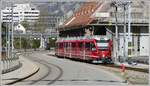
96	49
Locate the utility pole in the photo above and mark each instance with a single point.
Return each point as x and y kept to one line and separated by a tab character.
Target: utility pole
9	27
0	31
12	29
149	31
116	37
0	43
129	30
124	43
20	41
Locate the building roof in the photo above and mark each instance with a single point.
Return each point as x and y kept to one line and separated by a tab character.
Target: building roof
86	15
82	16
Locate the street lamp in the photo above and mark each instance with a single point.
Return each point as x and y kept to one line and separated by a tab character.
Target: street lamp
149	33
0	31
124	37
129	30
114	4
12	30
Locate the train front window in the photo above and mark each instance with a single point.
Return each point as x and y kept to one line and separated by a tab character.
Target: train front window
102	45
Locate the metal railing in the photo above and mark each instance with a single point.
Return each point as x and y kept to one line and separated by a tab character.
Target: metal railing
10	64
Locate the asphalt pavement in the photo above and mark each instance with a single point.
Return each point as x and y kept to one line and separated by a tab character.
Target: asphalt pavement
61	71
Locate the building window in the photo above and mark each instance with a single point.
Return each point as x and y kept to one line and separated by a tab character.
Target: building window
138	43
32	8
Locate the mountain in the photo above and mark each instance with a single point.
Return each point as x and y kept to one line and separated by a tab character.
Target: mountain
58	8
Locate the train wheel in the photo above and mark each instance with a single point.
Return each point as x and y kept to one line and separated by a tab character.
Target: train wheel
104	60
110	61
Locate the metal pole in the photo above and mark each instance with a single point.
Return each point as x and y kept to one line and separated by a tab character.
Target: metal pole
12	30
9	37
124	44
149	32
20	41
116	26
0	42
6	38
57	26
129	27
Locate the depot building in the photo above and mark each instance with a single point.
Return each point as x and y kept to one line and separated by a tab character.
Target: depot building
98	18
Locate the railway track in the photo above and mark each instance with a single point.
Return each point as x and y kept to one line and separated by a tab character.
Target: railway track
49	66
116	66
46	78
127	68
43	77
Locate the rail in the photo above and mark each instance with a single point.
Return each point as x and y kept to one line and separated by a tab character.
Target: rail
127	68
145	70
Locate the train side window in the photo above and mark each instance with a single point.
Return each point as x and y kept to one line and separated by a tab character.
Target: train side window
66	45
61	45
92	47
58	45
73	45
87	45
80	45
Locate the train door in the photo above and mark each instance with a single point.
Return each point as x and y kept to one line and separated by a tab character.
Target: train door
94	53
144	42
87	50
77	50
121	46
65	49
69	50
61	50
73	49
56	49
81	50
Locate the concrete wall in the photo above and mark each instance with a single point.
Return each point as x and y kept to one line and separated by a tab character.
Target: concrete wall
140	43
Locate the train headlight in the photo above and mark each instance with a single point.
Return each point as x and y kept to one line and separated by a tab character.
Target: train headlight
105	38
103	55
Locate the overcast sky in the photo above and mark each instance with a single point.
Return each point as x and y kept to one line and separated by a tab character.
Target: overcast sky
41	1
7	2
20	1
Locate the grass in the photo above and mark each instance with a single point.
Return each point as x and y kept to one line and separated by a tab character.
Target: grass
135	79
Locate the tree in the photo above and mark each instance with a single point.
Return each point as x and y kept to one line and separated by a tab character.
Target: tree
26	24
4	32
36	44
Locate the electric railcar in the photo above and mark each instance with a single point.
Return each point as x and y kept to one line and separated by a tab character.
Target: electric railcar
96	49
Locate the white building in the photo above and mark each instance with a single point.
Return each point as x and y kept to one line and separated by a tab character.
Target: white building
21	12
19	28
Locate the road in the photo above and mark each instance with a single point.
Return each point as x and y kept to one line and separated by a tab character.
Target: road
58	71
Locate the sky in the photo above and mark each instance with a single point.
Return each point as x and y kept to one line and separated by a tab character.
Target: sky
22	1
31	1
41	0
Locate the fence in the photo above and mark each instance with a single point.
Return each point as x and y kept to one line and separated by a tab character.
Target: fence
10	64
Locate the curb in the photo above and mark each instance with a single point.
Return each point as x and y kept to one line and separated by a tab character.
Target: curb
12	69
19	74
23	77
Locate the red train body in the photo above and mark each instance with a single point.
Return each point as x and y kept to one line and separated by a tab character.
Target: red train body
96	49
